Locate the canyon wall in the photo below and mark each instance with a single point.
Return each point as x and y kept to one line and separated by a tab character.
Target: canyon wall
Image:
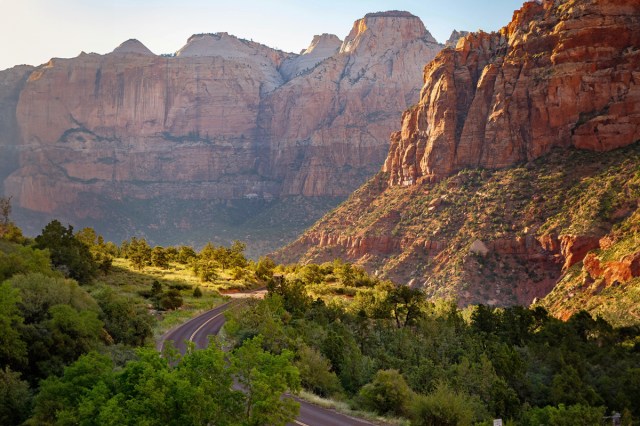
222	119
561	74
516	162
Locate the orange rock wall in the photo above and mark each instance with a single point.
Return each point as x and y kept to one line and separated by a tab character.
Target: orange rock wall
562	73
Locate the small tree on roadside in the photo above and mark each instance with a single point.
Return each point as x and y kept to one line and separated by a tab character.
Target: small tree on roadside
388	393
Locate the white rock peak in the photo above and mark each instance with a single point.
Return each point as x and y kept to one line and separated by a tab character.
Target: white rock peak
132	46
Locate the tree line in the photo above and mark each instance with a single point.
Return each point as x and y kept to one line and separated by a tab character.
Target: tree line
72	352
73	356
393	352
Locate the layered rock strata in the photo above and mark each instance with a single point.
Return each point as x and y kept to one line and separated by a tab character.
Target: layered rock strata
222	119
562	73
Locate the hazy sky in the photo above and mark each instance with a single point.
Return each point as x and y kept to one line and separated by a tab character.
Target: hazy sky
33	31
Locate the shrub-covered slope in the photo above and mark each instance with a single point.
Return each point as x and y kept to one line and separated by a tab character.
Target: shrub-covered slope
499	237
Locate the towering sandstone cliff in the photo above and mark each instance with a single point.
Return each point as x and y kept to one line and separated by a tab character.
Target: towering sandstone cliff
222	120
562	73
502	178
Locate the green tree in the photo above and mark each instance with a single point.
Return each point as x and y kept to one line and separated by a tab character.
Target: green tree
139	253
264	378
206	264
68	254
8	230
185	255
264	268
17	259
195	389
406	304
171	300
159	258
58	400
294	295
125	320
573	415
352	367
388	393
444	407
104	262
315	372
88	237
13	350
568	387
60	323
156	288
236	256
172	254
15	398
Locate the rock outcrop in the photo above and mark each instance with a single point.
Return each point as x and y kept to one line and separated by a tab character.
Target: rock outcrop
455	37
132	46
324	128
222	119
499	150
11	82
562	73
322	47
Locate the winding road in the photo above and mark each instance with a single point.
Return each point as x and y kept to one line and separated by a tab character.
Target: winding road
199	329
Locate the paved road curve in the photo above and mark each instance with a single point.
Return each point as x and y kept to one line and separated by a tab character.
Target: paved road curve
209	323
197	329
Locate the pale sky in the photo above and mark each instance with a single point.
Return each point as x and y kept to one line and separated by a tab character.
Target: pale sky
33	31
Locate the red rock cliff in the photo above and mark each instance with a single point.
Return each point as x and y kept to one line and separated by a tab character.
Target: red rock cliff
222	119
562	73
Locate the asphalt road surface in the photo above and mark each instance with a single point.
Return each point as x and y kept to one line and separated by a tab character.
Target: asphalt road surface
199	329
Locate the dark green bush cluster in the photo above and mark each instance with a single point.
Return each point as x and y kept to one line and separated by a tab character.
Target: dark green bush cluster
393	352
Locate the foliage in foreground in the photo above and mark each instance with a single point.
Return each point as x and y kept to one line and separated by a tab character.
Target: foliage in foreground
392	352
194	389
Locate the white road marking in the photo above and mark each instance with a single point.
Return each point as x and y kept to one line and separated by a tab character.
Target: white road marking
203	324
300	423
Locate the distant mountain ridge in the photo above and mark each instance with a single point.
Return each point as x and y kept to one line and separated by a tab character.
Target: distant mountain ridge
488	193
222	121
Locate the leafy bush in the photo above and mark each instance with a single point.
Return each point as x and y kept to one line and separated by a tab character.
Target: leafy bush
171	300
15	398
388	393
316	374
125	320
573	415
443	407
68	254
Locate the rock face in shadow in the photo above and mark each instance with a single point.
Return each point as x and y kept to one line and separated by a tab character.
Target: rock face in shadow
222	119
11	82
561	74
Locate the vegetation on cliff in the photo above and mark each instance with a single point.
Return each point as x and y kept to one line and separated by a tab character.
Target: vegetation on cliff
530	218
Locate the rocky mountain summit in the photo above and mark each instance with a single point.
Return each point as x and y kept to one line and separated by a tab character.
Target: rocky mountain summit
560	74
518	161
223	122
